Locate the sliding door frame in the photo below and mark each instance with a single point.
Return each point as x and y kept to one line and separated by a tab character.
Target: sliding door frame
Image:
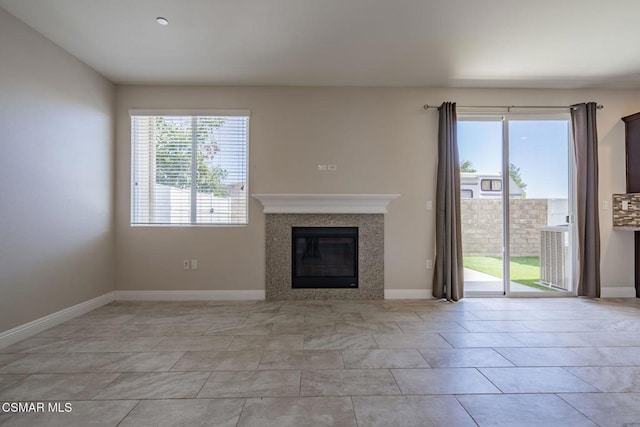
506	118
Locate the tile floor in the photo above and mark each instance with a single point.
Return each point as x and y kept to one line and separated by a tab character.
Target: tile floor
511	362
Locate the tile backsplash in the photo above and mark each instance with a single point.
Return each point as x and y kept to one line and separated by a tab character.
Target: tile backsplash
628	219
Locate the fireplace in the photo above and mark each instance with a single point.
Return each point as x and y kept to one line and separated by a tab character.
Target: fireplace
324	257
363	214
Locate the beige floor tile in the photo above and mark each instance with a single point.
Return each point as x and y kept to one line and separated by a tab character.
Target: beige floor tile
282	383
481	339
305	359
142	330
218	360
446	316
57	387
607	409
185	412
62	330
59	363
165	385
581	314
463	357
298	412
7	380
332	316
504	315
183	319
609	356
560	325
442	381
98	345
619	379
258	319
410	341
83	414
381	359
240	330
430	326
554	356
6	359
523	410
267	342
367	328
611	339
194	343
390	316
550	339
493	326
536	380
32	345
312	327
410	411
99	317
339	342
348	382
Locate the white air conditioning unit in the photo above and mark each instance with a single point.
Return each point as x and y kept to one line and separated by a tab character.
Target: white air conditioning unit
553	256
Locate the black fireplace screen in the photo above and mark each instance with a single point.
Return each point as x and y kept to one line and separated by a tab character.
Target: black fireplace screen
324	257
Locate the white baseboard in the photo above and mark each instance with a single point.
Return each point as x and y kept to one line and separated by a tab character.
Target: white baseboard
408	294
226	295
618	292
36	326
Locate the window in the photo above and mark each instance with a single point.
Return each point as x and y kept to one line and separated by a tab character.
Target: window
491	185
189	169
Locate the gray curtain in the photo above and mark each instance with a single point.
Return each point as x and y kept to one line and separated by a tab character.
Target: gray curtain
585	144
448	278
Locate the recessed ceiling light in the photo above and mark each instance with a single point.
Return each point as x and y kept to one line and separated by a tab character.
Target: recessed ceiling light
162	21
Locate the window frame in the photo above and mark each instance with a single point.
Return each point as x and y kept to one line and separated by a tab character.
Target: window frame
187	113
491	182
466	191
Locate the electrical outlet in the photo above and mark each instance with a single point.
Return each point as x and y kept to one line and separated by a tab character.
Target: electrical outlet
322	167
605	205
429	205
194	264
185	264
429	264
332	167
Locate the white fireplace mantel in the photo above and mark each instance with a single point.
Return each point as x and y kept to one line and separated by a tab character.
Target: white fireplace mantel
325	203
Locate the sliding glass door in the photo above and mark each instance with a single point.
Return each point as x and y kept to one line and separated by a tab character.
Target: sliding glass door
516	208
480	146
540	216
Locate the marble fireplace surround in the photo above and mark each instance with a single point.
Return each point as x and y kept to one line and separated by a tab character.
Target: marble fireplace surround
284	211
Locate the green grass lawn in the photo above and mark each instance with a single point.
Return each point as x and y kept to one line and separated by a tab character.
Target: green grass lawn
524	270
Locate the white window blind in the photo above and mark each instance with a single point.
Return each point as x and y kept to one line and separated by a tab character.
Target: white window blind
189	168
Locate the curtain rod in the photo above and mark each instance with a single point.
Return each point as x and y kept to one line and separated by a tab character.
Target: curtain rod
509	107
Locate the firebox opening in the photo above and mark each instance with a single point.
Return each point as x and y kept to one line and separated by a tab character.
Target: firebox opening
324	257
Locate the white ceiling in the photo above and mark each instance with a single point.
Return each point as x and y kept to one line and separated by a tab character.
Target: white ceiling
460	43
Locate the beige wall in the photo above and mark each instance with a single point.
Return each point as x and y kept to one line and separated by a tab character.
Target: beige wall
56	177
382	142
